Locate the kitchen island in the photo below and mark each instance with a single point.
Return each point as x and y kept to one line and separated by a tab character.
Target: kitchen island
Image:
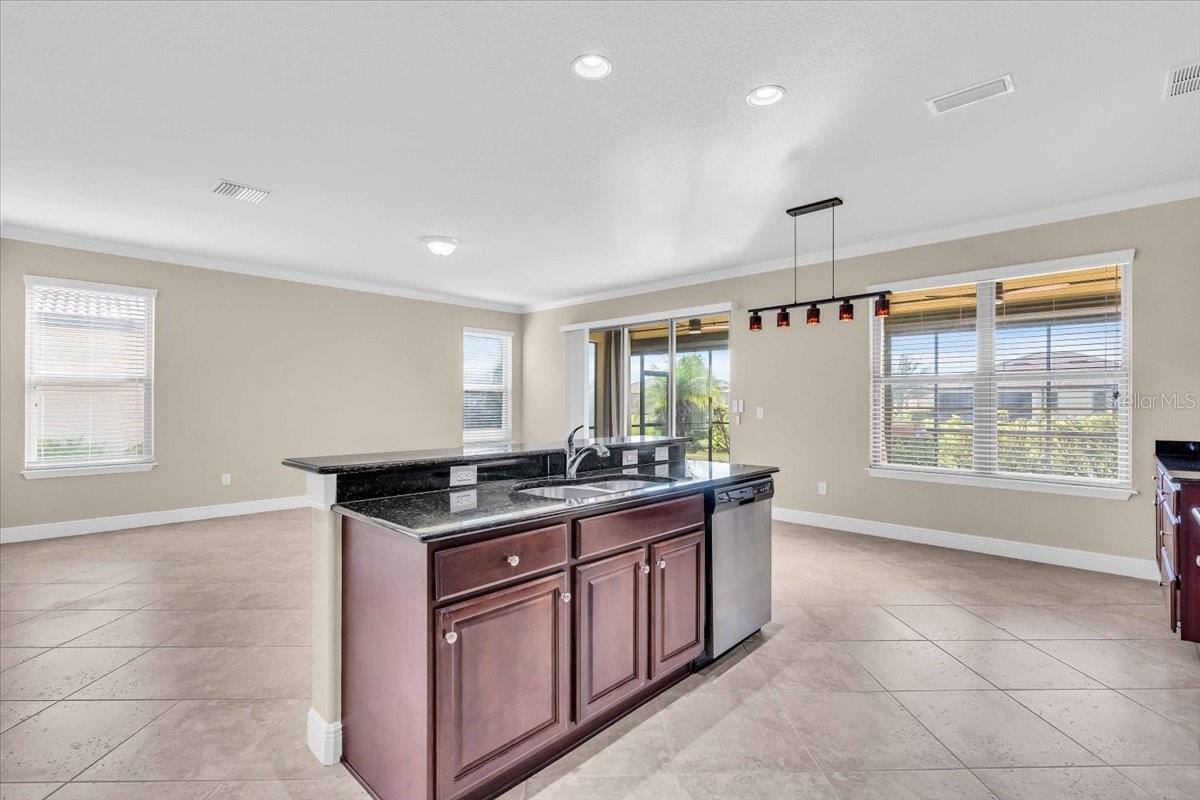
482	630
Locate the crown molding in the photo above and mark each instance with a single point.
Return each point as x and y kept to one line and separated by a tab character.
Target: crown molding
57	239
1124	201
1086	208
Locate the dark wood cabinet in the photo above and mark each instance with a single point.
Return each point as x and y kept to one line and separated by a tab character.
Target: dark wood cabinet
611	609
1178	544
469	663
503	680
676	602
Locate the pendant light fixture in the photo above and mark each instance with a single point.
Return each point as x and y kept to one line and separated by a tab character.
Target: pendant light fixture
783	319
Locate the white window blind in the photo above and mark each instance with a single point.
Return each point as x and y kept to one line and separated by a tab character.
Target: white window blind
487	386
1021	378
89	375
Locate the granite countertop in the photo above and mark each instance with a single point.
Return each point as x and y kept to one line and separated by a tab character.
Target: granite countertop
428	515
364	462
1181	468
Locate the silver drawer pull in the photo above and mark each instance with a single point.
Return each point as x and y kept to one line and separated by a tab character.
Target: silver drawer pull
451	637
513	560
662	563
566	597
645	569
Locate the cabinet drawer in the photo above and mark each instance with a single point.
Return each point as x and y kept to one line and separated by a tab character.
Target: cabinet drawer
471	567
608	533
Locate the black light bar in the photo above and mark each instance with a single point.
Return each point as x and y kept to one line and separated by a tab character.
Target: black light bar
809	208
837	299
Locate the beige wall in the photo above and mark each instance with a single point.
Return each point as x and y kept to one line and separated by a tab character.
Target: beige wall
814	382
248	371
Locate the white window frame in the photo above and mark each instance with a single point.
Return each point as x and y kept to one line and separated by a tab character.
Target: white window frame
33	470
489	435
986	319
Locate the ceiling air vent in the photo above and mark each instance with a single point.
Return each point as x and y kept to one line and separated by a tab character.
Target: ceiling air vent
961	98
1183	80
239	191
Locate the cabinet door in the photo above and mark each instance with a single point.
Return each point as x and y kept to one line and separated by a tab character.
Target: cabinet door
611	606
676	602
503	680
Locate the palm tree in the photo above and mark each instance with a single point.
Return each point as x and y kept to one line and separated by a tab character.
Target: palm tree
699	400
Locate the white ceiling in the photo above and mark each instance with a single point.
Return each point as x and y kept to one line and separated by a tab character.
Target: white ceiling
376	124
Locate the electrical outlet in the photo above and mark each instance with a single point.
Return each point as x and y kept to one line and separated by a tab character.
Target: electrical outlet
662	470
462	475
759	412
226	479
629	471
662	454
822	487
464	500
629	457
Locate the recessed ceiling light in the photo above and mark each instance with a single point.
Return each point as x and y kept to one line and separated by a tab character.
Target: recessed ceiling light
440	245
765	95
592	67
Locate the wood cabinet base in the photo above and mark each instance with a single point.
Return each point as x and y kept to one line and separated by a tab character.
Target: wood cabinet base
470	664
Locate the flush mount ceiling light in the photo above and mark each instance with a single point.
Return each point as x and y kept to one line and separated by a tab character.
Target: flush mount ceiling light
765	95
845	302
592	67
440	245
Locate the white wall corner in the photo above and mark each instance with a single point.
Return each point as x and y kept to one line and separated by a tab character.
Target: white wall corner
324	738
320	491
1144	568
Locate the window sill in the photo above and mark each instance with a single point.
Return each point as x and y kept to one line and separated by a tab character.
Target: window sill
75	472
1013	484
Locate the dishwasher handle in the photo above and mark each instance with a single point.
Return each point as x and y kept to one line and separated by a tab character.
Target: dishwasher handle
745	493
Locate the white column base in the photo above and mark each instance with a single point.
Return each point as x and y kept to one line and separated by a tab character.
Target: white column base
324	738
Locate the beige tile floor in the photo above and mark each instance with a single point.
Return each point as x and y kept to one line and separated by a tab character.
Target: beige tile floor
173	663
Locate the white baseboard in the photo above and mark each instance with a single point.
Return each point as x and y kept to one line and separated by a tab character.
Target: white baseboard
324	738
75	527
1046	554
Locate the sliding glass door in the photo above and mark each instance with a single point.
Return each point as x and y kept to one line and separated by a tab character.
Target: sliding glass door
701	402
668	377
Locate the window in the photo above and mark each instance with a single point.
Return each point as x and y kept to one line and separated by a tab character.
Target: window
1020	379
89	378
487	386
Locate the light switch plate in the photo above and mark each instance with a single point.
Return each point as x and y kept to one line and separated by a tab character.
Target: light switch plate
759	412
662	453
464	500
629	457
822	487
462	475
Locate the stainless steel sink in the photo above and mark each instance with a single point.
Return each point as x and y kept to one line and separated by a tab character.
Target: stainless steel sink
597	488
564	492
622	485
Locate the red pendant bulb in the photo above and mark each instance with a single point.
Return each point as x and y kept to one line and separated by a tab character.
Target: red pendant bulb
783	319
813	315
756	322
846	311
883	306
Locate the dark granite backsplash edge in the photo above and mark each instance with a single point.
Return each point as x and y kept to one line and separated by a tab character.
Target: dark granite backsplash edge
428	477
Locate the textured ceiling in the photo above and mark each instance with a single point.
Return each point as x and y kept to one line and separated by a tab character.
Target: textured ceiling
376	124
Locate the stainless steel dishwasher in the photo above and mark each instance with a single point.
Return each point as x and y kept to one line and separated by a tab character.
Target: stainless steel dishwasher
739	563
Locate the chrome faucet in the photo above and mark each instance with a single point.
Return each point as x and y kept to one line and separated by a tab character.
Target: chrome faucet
576	456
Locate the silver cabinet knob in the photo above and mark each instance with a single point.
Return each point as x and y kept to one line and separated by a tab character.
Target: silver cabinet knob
566	597
451	637
513	560
662	563
645	569
1198	561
